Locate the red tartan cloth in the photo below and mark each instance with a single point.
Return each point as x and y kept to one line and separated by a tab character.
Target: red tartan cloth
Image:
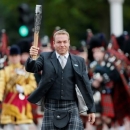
35	112
107	105
121	101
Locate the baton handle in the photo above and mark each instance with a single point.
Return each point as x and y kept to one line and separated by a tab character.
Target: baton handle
35	43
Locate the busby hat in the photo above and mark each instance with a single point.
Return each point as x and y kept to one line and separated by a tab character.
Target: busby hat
127	46
98	40
14	50
24	45
121	41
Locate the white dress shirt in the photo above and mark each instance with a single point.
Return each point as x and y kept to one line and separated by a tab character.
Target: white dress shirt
65	57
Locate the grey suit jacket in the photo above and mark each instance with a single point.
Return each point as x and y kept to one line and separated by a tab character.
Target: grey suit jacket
47	62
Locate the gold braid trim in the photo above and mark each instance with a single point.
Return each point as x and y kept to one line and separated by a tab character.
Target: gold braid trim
9	109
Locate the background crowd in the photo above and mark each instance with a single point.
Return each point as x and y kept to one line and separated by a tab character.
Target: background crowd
108	67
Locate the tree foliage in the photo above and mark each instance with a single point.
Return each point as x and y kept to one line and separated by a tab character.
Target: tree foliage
76	16
73	15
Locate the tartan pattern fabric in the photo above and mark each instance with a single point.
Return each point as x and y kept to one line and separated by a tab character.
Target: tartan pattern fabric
75	122
107	105
121	100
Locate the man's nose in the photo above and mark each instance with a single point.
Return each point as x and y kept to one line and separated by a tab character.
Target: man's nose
62	43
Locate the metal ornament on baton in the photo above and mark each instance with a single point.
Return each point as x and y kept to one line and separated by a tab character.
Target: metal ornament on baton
38	17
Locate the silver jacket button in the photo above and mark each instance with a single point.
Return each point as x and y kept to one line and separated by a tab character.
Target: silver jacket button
58	116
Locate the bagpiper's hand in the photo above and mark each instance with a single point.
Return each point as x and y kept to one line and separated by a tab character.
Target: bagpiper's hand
91	118
34	51
19	88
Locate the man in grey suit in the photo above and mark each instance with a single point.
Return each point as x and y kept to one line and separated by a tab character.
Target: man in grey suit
62	72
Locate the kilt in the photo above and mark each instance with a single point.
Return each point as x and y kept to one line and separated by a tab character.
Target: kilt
121	100
75	122
107	105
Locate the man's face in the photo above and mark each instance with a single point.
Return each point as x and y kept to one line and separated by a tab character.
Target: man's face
14	59
61	44
98	54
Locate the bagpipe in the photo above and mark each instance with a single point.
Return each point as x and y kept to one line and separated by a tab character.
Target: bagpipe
115	61
120	61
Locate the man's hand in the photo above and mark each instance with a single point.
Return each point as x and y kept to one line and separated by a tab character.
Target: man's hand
33	51
91	118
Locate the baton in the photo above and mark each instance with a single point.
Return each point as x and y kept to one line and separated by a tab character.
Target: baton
37	23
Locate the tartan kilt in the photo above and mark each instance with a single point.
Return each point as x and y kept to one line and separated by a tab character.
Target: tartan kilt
75	122
121	100
107	105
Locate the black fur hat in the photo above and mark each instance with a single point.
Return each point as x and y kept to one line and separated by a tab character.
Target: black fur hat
14	50
98	40
127	46
25	45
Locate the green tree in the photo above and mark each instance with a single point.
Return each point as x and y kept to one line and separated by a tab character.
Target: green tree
126	15
76	16
73	15
9	17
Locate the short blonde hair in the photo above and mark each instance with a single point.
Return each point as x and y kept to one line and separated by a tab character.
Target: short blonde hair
61	32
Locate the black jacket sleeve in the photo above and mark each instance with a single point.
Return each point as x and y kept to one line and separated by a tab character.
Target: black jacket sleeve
89	89
34	66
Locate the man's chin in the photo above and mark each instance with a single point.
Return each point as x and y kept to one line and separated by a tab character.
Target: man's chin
61	52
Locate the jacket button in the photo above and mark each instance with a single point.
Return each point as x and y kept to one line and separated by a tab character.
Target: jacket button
58	116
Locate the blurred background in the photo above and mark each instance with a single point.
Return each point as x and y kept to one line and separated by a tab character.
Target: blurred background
99	32
75	16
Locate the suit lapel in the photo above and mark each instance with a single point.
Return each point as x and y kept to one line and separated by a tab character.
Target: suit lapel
54	61
75	64
74	61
